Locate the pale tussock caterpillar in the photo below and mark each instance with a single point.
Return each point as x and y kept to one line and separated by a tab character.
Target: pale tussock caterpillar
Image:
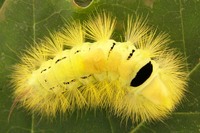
140	78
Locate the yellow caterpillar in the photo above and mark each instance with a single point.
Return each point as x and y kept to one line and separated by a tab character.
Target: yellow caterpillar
139	78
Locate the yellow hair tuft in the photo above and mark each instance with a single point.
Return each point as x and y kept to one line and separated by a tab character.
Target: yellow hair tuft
136	29
72	34
100	27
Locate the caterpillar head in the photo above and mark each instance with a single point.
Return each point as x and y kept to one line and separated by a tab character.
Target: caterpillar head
155	87
155	76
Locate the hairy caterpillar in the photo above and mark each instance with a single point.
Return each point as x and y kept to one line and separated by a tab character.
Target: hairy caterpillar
140	78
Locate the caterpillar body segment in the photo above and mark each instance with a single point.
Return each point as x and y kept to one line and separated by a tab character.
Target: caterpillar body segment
133	79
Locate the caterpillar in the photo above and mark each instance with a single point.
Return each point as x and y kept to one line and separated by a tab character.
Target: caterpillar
82	67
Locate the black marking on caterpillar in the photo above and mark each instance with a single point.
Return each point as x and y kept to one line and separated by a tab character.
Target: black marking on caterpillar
142	75
58	60
84	77
73	80
51	88
112	47
43	70
65	83
131	54
77	51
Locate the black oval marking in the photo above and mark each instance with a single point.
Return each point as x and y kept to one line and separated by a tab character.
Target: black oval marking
142	75
131	54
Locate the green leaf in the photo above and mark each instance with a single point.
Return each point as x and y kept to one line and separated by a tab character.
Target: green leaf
23	22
